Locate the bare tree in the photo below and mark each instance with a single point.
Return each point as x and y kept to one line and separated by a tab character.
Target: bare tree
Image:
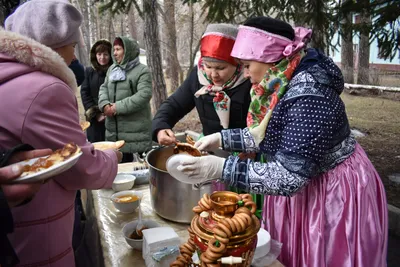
173	68
364	47
192	53
6	8
152	43
191	27
347	54
122	26
132	25
83	46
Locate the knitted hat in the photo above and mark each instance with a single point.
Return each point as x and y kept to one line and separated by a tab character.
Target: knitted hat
217	42
54	23
118	41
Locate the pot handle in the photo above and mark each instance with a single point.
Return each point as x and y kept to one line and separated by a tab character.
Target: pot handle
199	185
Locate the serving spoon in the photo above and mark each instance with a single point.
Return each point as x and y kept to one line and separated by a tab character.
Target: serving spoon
140	225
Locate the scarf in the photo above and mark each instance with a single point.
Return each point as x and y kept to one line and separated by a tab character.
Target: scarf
266	95
221	100
118	73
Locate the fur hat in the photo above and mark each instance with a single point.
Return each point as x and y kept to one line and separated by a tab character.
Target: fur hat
217	42
54	23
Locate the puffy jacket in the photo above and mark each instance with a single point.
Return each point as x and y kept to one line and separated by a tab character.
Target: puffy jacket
132	95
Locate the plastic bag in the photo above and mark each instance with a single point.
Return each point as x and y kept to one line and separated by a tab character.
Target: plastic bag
268	259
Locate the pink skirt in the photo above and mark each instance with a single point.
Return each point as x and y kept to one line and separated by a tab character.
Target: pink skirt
339	220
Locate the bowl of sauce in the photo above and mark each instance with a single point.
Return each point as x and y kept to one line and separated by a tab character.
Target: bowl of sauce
126	201
130	235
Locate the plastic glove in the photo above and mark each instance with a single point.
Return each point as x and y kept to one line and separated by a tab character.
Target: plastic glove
203	168
209	142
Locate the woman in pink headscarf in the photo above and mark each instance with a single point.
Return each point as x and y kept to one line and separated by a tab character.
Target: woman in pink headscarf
324	199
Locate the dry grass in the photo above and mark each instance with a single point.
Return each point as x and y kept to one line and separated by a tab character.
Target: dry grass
379	119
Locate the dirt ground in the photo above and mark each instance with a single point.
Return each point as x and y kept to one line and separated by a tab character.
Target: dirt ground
376	117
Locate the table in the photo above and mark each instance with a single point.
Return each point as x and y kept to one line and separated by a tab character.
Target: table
116	252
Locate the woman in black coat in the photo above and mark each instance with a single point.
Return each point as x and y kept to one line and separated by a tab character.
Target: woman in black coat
100	57
217	88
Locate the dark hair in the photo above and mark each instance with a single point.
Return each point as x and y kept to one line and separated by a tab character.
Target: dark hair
101	48
271	25
118	41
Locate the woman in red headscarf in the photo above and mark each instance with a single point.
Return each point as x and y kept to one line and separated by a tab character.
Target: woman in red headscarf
217	89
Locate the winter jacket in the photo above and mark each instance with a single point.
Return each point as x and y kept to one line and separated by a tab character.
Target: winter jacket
182	101
94	78
79	71
132	95
38	92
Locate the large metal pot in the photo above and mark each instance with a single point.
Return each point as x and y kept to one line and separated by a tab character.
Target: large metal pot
170	198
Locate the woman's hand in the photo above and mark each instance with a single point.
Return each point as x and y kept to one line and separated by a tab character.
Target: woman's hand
209	142
119	155
100	117
108	111
166	137
17	193
113	109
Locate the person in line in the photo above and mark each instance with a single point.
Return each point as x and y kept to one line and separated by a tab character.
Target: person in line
324	201
125	97
100	57
78	69
39	90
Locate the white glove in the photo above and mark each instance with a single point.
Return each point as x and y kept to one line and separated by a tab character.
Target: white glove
209	142
202	168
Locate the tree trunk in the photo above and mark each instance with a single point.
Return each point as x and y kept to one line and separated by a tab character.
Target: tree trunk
6	8
153	53
317	9
347	56
192	54
363	54
111	30
173	66
83	48
2	16
132	23
122	25
98	23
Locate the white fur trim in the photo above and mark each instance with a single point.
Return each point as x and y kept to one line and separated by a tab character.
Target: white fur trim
32	53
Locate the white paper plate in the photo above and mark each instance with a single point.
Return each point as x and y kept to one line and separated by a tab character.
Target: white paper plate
47	173
172	164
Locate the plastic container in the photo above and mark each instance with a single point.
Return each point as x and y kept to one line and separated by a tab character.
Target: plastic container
123	182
